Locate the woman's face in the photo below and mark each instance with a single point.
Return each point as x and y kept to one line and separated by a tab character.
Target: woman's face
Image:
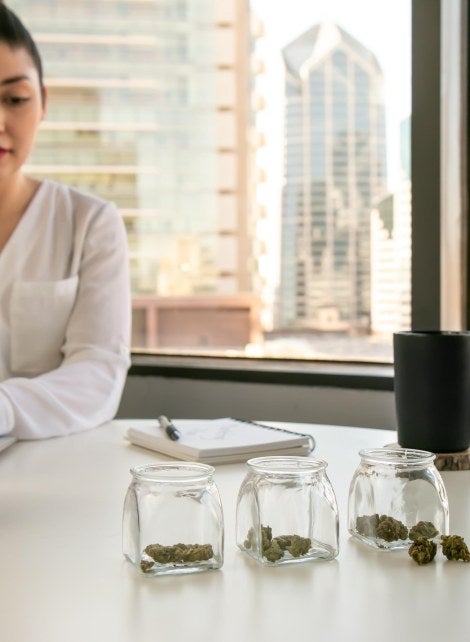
22	107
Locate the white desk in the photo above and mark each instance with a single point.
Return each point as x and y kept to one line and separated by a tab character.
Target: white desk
63	577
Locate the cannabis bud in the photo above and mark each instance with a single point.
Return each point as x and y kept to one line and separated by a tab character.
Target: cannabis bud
274	548
423	529
273	552
146	565
391	529
266	537
422	550
382	526
454	548
270	548
299	545
248	543
294	544
367	525
177	554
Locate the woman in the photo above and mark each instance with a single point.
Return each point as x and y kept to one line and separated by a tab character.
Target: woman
64	286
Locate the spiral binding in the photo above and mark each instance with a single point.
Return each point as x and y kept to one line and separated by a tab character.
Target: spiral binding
290	432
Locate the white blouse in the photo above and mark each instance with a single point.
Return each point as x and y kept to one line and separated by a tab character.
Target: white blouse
64	315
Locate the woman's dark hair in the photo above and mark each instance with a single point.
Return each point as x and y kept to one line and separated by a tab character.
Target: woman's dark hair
14	34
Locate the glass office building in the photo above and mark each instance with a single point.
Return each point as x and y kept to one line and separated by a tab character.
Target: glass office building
334	174
149	105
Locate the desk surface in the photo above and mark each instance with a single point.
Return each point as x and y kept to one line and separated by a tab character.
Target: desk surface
63	577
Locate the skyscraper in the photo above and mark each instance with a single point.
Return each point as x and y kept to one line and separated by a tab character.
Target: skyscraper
334	173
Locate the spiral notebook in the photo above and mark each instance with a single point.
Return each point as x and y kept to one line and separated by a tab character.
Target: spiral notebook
224	440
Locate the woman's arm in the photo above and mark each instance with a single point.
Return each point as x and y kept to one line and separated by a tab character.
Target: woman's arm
85	390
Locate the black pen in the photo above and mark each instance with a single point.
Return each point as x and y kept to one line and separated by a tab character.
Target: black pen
168	427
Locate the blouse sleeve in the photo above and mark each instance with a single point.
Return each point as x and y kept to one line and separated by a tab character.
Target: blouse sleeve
85	390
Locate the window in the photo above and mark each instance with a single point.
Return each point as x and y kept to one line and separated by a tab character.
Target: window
260	155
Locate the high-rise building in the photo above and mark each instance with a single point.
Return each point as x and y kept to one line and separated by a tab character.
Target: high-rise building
150	106
334	173
391	251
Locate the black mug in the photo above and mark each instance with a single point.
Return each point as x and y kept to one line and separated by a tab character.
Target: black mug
432	390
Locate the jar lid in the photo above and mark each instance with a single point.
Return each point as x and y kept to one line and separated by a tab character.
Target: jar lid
173	472
405	457
285	465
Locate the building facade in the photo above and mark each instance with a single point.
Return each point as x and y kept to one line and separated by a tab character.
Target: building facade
334	174
391	251
149	106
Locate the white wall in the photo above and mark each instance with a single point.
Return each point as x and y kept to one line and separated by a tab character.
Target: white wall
184	398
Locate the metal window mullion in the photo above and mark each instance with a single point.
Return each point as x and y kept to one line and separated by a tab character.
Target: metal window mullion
425	165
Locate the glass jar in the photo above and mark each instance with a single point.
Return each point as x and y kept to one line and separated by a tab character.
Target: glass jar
287	511
172	519
395	495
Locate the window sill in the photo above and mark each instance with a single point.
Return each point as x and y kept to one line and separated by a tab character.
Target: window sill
294	373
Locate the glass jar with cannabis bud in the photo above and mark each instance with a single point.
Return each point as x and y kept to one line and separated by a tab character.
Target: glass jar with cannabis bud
287	511
396	496
172	519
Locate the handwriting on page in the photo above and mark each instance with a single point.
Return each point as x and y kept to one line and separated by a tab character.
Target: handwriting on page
215	433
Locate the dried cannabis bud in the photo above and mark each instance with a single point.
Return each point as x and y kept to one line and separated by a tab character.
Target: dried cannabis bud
391	529
299	545
266	537
177	554
455	548
284	541
270	548
274	548
423	529
248	543
273	552
382	526
146	565
367	525
422	550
